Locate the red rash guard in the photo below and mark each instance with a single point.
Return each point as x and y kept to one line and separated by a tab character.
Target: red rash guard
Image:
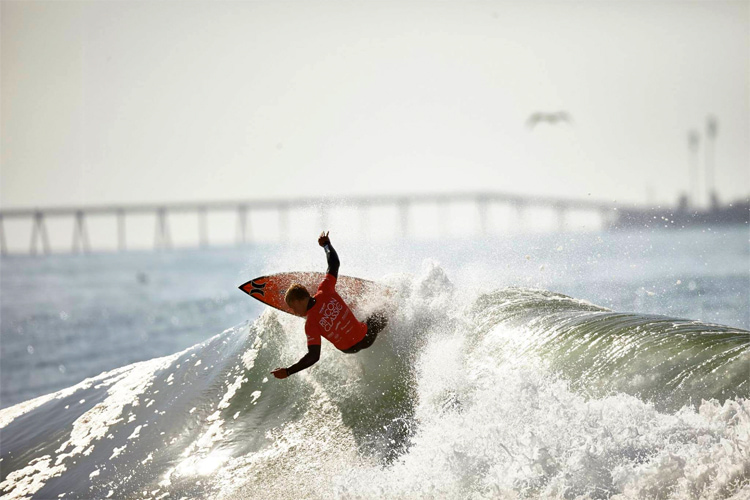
331	318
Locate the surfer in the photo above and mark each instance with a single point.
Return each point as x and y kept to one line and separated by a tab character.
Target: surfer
327	315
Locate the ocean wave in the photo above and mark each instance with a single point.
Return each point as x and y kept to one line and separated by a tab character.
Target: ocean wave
513	393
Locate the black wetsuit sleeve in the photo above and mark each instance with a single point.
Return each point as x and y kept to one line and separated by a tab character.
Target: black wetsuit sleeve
309	359
333	260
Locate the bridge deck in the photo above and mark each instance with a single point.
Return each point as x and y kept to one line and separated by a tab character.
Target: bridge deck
403	201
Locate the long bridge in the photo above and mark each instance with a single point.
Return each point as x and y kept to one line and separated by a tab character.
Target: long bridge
80	242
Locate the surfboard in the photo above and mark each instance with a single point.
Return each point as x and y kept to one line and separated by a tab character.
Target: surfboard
271	289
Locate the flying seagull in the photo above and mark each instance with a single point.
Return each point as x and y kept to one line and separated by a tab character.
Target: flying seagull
551	118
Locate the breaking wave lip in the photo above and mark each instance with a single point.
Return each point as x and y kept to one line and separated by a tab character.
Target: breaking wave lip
456	400
669	362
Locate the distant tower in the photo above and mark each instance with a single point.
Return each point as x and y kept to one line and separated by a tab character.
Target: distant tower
711	129
694	140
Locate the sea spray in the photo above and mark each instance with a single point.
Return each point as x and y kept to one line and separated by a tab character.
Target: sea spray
510	394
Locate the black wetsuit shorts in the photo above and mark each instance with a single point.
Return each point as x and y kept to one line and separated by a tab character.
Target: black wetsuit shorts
375	324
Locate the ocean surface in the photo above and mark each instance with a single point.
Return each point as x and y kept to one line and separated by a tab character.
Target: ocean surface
591	365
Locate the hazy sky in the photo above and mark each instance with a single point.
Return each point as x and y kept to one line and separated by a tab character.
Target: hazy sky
118	101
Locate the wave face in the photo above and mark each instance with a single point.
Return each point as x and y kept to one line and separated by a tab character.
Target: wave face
516	393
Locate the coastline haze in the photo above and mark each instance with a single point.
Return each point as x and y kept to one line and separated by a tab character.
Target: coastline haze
124	102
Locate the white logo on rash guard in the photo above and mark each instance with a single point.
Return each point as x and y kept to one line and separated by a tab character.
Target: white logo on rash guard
332	310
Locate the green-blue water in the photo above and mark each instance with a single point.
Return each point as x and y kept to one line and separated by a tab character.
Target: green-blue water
562	366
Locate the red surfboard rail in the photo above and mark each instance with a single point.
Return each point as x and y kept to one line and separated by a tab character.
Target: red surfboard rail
271	289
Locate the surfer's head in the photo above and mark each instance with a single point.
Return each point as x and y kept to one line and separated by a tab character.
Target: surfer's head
297	298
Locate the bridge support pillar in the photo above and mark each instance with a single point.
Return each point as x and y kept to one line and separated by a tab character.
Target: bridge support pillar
608	218
121	230
202	227
3	248
161	239
241	225
39	231
80	235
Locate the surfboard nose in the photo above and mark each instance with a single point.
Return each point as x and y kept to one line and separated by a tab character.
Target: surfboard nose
269	289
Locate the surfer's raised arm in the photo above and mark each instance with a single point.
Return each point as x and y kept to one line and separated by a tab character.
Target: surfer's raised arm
331	255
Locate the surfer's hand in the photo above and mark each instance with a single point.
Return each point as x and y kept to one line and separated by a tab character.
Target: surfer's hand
323	238
280	373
